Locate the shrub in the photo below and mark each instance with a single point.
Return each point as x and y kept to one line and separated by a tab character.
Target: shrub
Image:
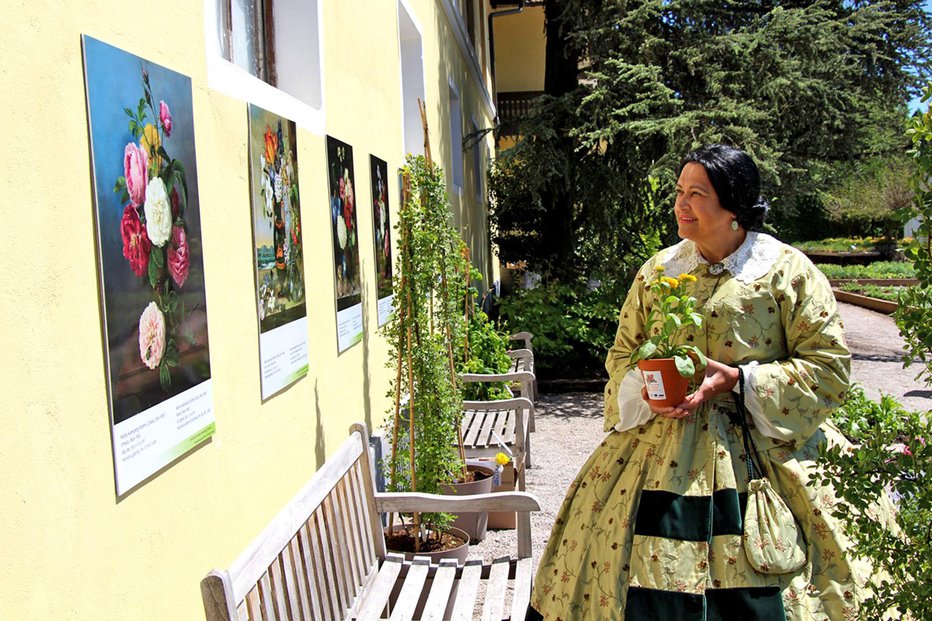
871	200
804	219
891	452
573	325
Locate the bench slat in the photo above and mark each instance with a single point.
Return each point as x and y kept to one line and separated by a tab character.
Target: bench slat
440	590
485	437
266	597
278	592
494	607
508	432
472	425
348	535
361	508
522	589
411	589
300	571
323	568
253	603
466	593
334	559
310	576
376	598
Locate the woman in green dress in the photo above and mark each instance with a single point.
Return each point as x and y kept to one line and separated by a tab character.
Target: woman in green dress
651	528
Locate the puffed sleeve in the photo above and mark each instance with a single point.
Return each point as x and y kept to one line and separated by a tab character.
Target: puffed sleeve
796	394
631	320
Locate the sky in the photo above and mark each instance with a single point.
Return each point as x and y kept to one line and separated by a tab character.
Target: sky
914	104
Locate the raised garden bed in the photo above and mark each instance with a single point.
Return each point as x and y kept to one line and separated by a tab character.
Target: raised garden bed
877	294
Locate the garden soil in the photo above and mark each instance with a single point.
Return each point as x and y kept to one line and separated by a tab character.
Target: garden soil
569	425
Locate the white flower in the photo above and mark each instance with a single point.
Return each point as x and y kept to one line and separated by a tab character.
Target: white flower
158	213
267	192
278	187
341	232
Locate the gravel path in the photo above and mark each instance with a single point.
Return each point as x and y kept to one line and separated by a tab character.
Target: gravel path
569	425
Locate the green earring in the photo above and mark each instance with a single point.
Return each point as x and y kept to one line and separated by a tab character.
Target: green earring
734	225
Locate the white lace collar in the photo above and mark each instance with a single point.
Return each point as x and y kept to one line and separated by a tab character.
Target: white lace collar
753	258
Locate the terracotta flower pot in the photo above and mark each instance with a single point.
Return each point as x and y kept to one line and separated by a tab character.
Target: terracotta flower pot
665	386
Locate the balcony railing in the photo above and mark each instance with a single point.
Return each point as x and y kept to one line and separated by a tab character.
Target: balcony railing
512	107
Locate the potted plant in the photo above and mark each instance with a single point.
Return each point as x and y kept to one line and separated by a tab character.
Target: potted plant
428	327
665	362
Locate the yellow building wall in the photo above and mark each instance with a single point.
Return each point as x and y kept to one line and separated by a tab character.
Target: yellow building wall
520	51
71	548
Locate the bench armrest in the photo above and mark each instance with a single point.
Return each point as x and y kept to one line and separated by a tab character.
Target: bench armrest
407	502
521	353
521	502
513	376
527	337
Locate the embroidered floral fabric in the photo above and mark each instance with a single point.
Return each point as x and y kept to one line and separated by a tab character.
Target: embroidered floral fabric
773	544
653	525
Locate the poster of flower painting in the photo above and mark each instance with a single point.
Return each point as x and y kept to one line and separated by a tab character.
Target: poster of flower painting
278	256
345	243
382	233
141	125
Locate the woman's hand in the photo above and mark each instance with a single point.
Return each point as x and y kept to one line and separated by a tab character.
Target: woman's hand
719	379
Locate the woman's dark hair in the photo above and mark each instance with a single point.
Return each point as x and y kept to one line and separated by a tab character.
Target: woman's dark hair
736	180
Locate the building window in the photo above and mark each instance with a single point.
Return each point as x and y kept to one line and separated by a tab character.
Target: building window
248	38
412	80
456	138
268	52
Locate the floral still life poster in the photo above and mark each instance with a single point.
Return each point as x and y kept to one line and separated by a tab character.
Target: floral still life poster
140	117
345	243
382	233
278	254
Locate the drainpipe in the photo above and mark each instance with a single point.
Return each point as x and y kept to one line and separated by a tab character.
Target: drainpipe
519	8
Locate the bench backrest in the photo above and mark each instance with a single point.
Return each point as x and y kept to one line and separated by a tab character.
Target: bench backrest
314	557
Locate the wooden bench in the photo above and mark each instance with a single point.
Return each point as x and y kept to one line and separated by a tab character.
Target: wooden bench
487	425
522	361
323	557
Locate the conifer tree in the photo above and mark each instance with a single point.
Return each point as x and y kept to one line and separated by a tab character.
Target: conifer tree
632	85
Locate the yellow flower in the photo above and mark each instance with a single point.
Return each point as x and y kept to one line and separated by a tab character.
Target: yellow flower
673	282
502	460
687	278
150	139
659	268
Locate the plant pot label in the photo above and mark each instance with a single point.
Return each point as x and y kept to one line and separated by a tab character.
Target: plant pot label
653	380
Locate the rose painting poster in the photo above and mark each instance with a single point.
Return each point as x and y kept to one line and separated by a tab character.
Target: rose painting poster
141	126
345	243
382	233
278	255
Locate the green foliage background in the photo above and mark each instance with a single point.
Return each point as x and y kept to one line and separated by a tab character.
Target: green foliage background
807	88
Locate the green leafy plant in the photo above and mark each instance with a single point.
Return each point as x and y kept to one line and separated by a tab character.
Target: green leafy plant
914	313
428	325
881	292
891	453
673	311
486	351
877	269
573	324
840	244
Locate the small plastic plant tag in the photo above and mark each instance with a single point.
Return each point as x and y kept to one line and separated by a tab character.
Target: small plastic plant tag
654	383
